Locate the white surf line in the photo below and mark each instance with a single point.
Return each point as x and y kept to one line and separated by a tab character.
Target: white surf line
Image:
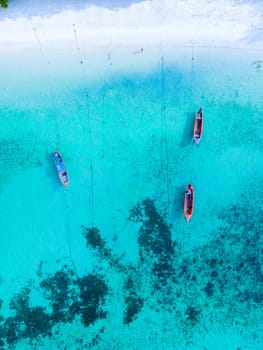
91	194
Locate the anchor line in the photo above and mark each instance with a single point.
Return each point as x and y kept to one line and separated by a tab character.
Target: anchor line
164	134
192	75
107	191
91	192
55	142
52	97
69	238
103	125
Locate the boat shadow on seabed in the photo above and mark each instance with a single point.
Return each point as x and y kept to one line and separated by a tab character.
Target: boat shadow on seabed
178	201
51	173
187	132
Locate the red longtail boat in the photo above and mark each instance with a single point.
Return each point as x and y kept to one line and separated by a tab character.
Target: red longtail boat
189	202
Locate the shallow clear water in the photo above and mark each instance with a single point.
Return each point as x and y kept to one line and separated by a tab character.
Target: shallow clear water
123	123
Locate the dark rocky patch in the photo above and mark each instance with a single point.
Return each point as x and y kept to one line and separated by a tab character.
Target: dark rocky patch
92	295
155	235
232	259
134	305
136	213
93	238
28	322
95	241
235	263
154	239
212	262
67	298
192	314
209	289
228	269
129	285
163	269
40	268
258	297
214	274
56	289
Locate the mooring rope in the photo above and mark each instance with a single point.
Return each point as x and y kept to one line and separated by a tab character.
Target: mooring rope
57	136
91	192
69	236
164	133
55	143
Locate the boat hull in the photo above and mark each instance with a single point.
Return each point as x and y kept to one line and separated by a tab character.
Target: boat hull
198	126
189	202
61	169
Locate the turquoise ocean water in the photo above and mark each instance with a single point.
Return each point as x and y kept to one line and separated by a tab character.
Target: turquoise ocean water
111	263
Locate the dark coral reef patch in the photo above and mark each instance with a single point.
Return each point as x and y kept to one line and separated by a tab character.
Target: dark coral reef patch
134	305
66	297
93	238
154	239
133	302
221	279
225	271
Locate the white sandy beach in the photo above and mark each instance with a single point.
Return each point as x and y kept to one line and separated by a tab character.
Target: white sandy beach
140	24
